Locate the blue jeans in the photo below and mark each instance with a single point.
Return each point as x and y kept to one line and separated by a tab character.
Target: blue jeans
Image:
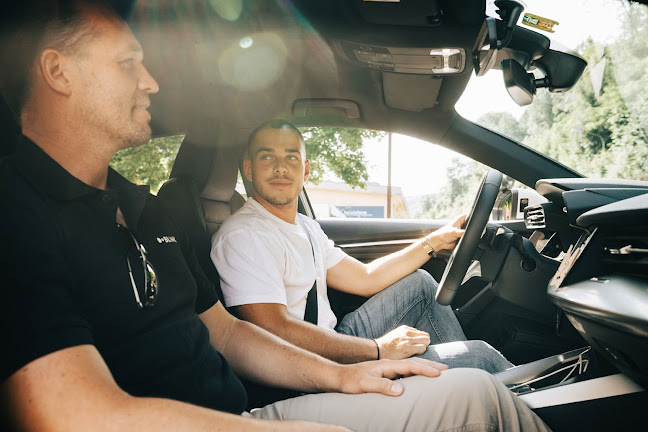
411	301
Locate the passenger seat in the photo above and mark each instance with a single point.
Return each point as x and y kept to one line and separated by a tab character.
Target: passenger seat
201	194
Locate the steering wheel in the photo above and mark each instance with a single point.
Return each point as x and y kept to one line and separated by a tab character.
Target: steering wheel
465	249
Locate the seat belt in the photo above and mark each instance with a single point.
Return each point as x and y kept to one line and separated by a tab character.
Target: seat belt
310	314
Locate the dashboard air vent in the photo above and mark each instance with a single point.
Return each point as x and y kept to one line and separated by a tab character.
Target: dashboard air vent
626	254
534	217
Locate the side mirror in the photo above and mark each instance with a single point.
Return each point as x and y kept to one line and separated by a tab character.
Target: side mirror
510	203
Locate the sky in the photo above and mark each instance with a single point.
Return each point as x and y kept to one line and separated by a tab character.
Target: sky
416	160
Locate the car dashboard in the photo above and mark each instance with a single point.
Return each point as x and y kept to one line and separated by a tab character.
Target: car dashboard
598	230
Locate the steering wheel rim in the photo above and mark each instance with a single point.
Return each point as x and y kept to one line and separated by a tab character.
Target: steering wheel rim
475	224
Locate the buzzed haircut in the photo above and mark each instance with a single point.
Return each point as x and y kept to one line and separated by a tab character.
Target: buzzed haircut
272	124
33	26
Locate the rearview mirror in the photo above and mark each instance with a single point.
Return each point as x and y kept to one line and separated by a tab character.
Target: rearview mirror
520	84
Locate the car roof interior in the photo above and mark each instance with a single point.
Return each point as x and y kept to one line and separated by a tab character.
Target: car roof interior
310	37
303	70
225	67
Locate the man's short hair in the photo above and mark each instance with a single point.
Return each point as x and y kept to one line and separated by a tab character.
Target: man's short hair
31	27
272	124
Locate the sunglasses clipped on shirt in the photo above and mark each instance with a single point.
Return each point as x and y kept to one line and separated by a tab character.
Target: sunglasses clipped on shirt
150	278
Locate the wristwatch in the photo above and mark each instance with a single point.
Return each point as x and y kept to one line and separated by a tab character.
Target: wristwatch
427	247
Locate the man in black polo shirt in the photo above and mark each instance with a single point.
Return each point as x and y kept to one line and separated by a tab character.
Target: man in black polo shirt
103	325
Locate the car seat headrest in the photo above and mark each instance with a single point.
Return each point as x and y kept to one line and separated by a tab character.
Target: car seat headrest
214	169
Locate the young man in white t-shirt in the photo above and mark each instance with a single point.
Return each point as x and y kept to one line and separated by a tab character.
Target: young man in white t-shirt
268	256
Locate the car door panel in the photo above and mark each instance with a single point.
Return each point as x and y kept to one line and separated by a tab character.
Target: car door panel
366	239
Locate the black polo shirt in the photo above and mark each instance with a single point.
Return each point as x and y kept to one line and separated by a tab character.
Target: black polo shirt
65	282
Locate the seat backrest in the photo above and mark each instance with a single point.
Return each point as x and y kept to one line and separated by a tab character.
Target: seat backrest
201	193
8	129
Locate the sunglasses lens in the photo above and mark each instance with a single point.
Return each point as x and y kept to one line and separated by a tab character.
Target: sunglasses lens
150	278
151	284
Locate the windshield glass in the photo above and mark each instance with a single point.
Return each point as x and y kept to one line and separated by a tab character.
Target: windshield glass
600	127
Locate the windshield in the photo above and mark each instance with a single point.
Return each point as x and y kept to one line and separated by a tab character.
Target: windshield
599	128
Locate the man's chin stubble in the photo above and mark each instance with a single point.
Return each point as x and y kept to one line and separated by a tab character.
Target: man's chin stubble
276	202
137	139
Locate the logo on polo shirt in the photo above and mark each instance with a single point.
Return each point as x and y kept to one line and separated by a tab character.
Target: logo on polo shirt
167	239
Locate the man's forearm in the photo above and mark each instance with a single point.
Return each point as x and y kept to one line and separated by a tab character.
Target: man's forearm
260	356
352	276
93	402
389	269
284	363
169	415
127	413
331	345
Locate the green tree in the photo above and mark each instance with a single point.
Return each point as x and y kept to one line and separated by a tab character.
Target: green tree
330	150
598	133
457	194
150	163
504	123
338	151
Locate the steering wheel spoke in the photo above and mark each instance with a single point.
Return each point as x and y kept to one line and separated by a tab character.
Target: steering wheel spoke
473	271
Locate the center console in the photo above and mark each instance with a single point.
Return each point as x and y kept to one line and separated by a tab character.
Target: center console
569	394
555	370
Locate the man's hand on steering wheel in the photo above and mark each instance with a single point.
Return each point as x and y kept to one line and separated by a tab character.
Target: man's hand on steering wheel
446	237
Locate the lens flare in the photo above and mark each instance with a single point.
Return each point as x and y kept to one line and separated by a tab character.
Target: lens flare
246	42
229	10
253	66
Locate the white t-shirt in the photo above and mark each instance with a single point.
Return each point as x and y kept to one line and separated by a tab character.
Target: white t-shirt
263	259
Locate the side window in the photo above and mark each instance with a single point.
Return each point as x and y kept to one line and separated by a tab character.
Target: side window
427	182
150	163
240	186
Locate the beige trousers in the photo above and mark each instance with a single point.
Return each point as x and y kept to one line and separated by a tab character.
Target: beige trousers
458	400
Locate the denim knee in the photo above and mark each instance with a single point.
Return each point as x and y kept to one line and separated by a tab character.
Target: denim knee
422	281
492	360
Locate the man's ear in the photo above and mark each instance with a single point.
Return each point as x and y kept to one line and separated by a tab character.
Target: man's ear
53	65
306	170
247	169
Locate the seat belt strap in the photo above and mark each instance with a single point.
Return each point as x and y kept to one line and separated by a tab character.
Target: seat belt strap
310	314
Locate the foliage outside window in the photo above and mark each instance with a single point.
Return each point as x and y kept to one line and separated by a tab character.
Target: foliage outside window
150	163
599	127
335	154
332	152
338	152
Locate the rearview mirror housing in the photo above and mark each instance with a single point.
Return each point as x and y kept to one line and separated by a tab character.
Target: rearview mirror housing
519	83
526	51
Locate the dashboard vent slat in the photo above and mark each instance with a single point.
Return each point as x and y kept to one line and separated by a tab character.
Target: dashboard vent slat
625	253
534	217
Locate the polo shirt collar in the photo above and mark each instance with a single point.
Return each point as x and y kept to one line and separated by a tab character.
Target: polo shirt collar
47	174
50	177
131	197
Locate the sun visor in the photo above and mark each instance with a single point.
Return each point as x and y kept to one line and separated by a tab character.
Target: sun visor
411	92
420	12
